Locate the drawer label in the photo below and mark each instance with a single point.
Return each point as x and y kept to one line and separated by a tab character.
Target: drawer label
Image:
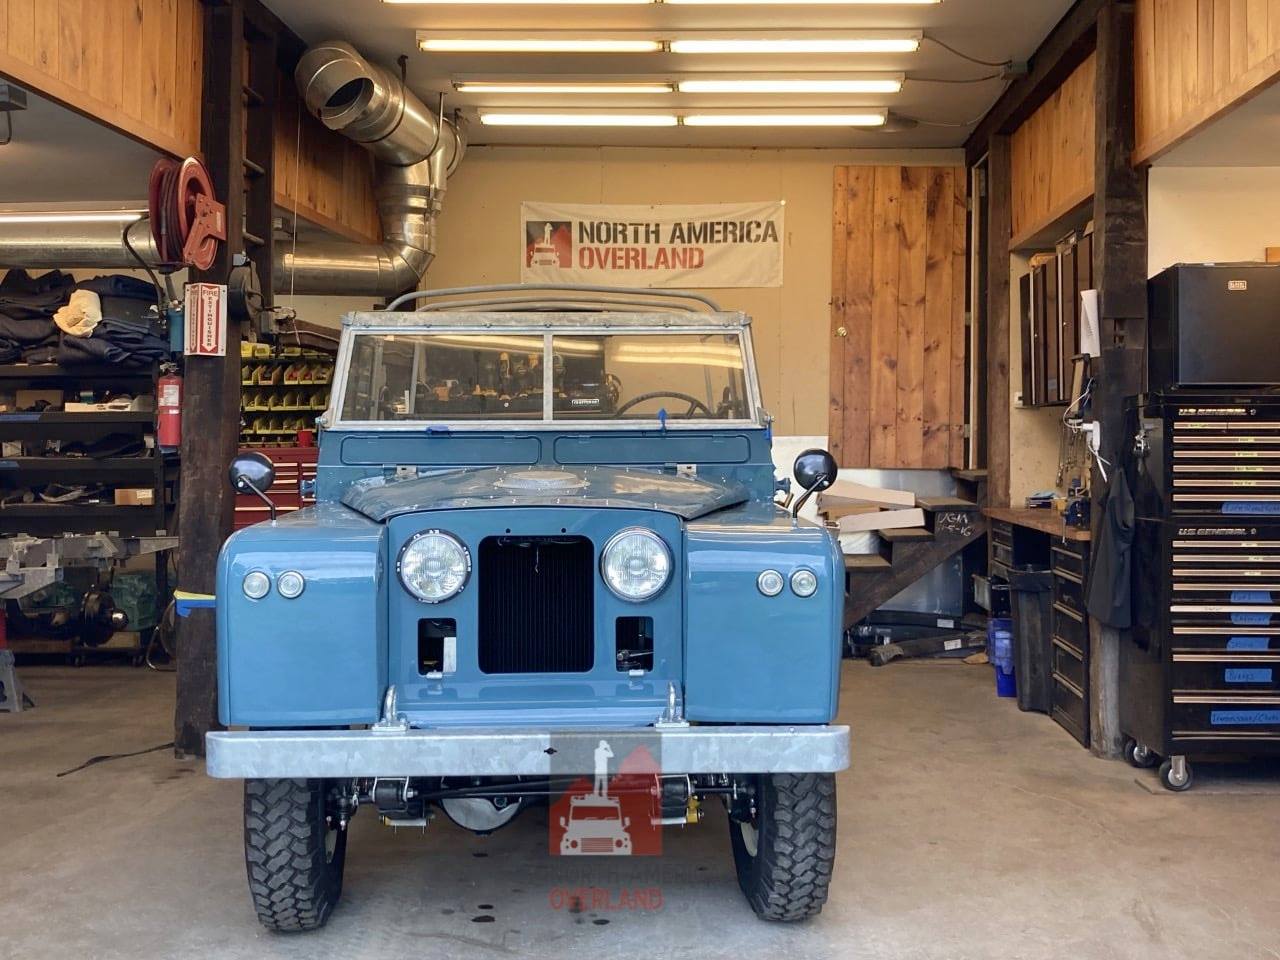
1243	718
1250	596
1251	619
1249	507
1249	675
1249	643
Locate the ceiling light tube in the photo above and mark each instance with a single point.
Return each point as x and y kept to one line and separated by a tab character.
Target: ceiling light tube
859	118
570	88
772	3
477	43
122	216
522	119
868	43
530	3
793	85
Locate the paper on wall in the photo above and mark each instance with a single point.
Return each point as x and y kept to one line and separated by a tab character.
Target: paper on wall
1090	339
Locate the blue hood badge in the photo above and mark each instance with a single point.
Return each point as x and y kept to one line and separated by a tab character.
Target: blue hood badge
631	488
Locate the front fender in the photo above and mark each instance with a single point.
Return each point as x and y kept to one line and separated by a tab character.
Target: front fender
317	660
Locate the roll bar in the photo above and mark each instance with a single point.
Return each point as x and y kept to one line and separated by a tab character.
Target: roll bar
675	300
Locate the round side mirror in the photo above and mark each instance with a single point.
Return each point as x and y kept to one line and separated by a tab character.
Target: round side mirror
252	473
815	470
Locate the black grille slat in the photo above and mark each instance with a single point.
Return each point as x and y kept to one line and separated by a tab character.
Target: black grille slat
536	605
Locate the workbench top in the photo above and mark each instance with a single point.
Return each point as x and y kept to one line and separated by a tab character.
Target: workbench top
1044	520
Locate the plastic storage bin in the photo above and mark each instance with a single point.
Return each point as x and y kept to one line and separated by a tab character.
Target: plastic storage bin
1000	651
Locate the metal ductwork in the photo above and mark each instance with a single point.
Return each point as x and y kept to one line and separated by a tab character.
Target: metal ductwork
70	240
416	151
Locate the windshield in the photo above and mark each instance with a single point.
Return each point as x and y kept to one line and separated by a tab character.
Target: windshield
623	376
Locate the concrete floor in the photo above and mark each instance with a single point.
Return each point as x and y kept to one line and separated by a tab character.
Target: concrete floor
967	829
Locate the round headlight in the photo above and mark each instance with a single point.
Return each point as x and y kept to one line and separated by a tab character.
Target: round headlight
804	583
636	564
290	584
770	583
433	566
256	585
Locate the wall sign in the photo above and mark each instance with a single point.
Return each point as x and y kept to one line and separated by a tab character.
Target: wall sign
653	245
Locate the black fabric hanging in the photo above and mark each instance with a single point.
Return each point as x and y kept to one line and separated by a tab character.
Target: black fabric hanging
1110	599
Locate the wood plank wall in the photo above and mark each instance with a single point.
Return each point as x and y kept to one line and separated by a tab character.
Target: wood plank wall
1052	155
1195	59
135	65
898	317
330	177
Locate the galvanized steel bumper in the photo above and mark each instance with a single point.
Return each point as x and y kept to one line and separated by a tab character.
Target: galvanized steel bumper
255	754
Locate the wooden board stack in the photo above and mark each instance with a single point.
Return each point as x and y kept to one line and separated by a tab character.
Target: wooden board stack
855	508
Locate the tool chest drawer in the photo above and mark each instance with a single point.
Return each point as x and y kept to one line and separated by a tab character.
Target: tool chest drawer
1208	672
1224	716
1231	639
1071	708
1071	559
1068	591
1071	626
1069	664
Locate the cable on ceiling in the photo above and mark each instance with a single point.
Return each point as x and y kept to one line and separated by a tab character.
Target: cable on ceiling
964	56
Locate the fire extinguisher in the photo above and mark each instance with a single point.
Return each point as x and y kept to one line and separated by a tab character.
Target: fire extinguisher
169	409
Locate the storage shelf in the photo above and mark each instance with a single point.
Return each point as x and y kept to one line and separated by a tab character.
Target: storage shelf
45	372
113	466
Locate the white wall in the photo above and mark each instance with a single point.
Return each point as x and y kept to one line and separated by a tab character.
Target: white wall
1199	214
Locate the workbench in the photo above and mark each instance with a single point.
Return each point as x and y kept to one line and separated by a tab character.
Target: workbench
1030	539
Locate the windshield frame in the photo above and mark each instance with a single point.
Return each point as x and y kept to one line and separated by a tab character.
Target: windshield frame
546	325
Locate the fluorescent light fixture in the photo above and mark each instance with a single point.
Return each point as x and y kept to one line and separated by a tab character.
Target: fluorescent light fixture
477	43
780	3
570	88
527	3
522	119
787	85
122	216
868	43
861	118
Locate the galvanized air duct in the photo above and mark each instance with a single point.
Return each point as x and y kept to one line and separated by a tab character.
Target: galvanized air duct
69	240
416	151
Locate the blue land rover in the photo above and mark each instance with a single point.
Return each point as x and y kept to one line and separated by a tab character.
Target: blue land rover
546	521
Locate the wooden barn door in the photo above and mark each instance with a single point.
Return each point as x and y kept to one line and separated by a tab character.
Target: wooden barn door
897	317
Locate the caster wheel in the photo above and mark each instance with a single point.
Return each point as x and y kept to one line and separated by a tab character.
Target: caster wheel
1175	782
1139	756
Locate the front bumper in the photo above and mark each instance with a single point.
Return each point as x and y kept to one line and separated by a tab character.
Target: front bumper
268	754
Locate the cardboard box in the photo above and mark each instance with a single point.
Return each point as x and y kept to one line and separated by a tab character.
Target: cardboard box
846	491
135	497
883	520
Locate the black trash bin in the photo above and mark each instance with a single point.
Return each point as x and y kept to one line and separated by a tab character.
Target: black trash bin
1031	593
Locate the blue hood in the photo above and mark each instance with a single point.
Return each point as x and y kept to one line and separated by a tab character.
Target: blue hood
380	498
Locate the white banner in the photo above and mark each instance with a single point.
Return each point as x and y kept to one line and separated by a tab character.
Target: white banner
703	245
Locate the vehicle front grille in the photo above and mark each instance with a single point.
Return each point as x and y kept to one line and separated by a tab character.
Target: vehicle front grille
597	845
536	605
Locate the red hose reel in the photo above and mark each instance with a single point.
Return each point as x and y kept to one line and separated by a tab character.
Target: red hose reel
187	221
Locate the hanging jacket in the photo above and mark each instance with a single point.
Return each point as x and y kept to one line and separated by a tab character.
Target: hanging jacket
1110	598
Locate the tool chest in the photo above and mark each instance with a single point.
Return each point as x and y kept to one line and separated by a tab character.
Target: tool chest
1069	637
1201	670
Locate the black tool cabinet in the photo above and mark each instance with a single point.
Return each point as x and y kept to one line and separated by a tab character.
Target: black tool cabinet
1200	670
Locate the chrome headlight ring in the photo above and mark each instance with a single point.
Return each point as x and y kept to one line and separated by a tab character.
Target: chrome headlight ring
433	566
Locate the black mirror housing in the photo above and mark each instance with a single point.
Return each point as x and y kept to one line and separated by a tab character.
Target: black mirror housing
253	473
815	469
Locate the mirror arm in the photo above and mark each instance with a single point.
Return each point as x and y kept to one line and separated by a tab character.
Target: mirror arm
245	486
804	497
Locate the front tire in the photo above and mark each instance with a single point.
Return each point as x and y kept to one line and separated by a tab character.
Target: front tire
784	848
294	855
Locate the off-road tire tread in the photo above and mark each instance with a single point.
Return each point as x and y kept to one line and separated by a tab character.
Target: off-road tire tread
797	848
292	886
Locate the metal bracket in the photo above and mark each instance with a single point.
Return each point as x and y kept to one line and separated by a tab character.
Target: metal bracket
393	721
673	715
687	470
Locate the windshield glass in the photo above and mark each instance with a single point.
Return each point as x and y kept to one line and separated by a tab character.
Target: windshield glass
622	376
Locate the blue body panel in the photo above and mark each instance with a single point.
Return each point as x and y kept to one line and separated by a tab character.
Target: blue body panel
320	659
752	658
327	657
602	695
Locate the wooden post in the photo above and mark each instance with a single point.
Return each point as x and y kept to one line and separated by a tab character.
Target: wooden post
1120	276
211	394
999	234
